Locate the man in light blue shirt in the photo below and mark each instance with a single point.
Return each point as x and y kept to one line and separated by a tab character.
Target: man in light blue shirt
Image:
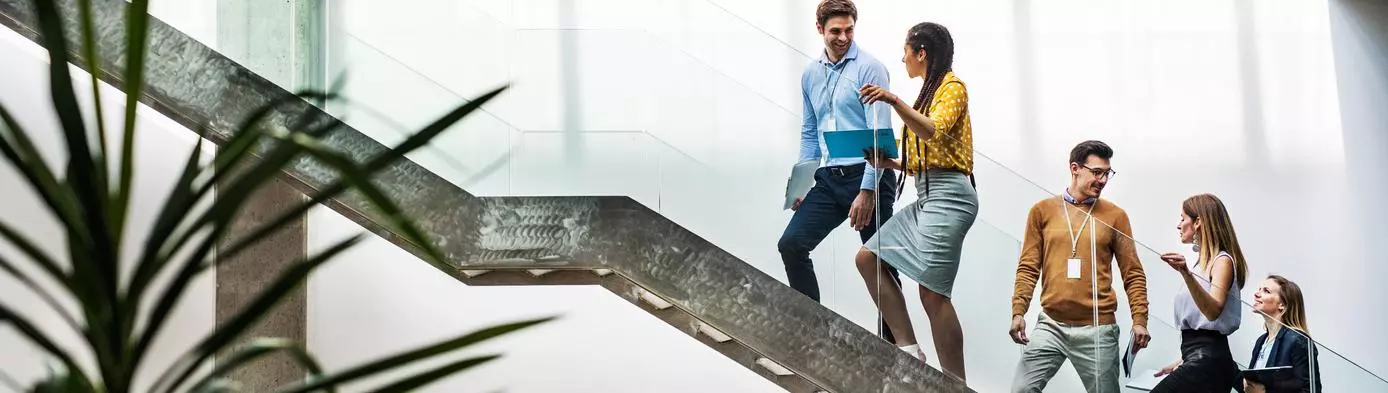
845	188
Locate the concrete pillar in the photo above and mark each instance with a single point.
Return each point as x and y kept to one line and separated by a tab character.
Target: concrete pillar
281	40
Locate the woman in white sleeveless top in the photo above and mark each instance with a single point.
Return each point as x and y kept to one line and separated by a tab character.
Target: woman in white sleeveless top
1208	311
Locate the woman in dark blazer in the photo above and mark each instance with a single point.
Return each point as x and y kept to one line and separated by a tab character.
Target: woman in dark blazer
1286	341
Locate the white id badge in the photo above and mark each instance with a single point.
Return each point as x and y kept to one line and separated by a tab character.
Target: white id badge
1072	268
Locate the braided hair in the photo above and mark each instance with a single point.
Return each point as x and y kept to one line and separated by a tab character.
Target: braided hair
935	41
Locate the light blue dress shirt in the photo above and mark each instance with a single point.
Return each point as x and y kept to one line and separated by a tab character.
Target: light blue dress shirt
830	92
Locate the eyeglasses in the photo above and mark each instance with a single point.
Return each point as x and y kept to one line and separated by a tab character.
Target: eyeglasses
1101	173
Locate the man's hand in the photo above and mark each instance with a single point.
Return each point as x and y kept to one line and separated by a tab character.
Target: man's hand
796	205
860	215
1140	336
1019	330
1253	387
878	159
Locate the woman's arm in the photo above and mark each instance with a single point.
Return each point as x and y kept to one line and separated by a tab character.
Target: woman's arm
954	101
922	125
1211	303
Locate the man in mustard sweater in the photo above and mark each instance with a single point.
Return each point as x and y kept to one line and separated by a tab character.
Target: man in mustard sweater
1071	240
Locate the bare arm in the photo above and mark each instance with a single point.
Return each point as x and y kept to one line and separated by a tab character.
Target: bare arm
917	123
954	101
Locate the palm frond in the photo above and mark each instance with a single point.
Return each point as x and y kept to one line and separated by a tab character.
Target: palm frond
184	239
177	205
407	358
30	331
43	294
257	349
136	33
235	152
254	311
45	262
428	377
92	55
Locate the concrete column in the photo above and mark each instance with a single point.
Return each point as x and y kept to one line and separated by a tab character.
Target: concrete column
281	40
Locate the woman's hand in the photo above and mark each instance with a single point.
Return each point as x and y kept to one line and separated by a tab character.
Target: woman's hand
1176	261
878	159
871	93
1168	369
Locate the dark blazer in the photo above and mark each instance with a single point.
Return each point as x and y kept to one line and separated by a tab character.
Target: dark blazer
1288	349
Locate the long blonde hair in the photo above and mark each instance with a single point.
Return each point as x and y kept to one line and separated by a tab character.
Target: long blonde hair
1290	294
1216	233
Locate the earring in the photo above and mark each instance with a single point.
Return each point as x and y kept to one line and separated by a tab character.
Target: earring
1196	246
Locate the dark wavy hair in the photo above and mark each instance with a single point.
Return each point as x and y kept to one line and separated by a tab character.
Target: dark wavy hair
938	45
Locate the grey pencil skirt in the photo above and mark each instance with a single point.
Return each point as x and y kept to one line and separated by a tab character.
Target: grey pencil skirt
925	240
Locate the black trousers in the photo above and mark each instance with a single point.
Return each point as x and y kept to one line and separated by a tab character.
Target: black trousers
825	208
1207	366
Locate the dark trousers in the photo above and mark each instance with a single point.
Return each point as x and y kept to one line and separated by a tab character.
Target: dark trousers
825	208
1207	365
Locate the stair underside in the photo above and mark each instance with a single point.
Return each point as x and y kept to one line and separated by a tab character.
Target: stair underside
659	266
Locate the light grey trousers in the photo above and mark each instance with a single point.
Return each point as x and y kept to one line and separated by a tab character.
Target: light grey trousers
1053	343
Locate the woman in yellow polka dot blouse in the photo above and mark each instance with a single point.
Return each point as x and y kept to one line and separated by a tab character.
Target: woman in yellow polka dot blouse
924	240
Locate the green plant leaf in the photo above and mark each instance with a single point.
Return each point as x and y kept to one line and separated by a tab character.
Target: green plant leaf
94	273
136	34
255	350
215	222
254	311
62	383
20	151
177	205
360	181
427	134
43	294
247	135
419	380
357	179
81	168
173	293
403	359
93	61
235	151
381	162
35	336
45	262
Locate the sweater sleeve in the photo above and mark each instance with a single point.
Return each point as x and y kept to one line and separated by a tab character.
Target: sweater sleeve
1029	264
1134	279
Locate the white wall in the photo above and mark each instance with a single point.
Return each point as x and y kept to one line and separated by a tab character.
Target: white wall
161	149
1360	41
196	18
691	107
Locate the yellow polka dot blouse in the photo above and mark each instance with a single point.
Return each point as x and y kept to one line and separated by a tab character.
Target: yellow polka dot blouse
952	146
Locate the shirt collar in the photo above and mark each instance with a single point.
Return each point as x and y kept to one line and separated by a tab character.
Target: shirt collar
852	53
1071	198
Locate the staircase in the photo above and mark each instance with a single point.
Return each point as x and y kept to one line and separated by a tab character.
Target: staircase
613	242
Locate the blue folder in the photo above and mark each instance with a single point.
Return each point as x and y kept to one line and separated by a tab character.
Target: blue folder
850	143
